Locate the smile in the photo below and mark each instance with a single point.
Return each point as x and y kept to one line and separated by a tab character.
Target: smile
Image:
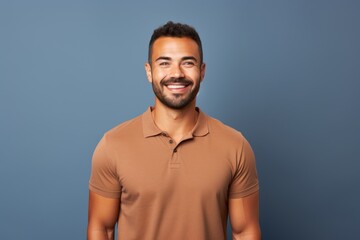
176	86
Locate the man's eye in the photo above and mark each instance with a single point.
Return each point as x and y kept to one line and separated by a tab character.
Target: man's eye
189	63
164	64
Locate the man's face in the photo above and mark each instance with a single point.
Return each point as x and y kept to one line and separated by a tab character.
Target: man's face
175	71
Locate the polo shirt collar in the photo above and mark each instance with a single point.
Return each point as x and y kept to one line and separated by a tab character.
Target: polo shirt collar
201	127
150	129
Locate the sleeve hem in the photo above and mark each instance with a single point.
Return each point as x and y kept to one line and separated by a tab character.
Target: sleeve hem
108	194
245	193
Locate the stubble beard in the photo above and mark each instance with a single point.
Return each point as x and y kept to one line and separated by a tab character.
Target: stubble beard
175	101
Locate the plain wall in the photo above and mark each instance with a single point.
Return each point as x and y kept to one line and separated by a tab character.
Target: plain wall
284	73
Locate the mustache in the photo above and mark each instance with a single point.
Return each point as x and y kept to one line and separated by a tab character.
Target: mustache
175	80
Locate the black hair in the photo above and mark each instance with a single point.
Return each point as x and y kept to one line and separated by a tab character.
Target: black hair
171	29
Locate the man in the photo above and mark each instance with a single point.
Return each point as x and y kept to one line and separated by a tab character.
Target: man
173	173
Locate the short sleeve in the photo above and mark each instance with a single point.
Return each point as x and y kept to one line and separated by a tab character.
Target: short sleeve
245	180
104	179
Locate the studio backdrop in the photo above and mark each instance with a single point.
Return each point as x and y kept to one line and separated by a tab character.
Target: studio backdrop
284	73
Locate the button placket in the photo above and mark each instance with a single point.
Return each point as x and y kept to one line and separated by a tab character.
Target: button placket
174	161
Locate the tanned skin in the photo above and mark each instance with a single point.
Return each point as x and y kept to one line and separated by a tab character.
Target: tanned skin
102	217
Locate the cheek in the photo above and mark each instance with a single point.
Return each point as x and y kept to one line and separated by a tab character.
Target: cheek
158	75
195	76
193	72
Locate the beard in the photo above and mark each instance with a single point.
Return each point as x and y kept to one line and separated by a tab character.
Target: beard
175	101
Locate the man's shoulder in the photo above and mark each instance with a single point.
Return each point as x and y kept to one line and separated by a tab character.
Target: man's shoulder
224	131
125	129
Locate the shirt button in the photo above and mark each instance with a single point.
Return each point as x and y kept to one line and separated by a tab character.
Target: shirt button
171	141
164	134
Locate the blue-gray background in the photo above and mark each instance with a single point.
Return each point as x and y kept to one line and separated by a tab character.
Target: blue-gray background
285	73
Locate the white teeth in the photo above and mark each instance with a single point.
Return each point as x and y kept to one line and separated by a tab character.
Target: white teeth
175	86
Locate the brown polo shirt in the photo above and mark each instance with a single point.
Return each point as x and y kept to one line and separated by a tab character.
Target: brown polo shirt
173	190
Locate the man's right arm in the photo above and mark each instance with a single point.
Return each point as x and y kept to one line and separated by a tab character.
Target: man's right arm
102	216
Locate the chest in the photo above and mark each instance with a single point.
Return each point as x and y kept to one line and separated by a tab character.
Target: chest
165	171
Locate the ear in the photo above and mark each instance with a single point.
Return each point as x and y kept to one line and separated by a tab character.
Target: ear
148	72
202	71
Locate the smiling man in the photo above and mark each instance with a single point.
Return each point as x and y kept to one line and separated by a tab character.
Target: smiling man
173	173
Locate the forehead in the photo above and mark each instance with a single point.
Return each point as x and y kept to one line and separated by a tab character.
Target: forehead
175	47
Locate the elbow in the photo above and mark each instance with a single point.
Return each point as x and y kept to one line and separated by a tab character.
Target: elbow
103	233
252	233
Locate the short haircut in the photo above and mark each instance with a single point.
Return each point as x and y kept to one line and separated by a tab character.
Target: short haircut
171	29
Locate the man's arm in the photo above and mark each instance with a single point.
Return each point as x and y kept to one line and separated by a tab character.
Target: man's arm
244	217
103	214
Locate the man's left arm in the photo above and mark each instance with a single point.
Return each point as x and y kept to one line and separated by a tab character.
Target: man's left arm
244	217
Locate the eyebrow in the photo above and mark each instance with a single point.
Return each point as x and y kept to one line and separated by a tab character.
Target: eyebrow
162	58
182	59
189	58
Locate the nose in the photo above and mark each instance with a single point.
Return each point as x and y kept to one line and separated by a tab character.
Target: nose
176	71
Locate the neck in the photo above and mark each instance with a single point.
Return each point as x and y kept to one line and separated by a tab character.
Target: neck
176	122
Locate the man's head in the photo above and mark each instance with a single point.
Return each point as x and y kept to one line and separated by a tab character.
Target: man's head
177	30
175	67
